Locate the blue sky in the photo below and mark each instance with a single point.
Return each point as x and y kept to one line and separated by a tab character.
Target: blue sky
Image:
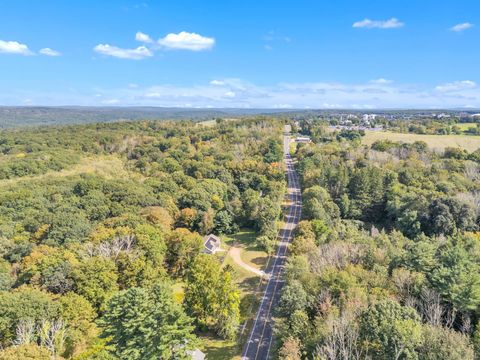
264	53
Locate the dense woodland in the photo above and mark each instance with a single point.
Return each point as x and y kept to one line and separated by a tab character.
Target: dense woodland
386	261
98	222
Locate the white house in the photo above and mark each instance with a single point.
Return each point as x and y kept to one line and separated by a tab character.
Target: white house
197	355
303	139
212	244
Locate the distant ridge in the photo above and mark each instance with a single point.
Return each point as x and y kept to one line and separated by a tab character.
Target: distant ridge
20	116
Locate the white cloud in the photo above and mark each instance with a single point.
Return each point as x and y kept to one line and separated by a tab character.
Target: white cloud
392	23
217	82
110	102
187	41
142	37
381	81
456	86
139	53
461	27
14	47
229	94
315	95
49	52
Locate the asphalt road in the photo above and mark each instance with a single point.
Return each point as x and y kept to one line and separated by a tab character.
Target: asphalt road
260	340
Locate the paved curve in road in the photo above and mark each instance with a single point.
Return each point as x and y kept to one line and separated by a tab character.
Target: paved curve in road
260	339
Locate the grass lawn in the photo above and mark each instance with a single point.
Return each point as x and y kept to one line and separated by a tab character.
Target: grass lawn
216	349
435	142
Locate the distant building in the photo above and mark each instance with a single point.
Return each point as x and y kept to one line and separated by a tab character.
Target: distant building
303	139
212	244
369	117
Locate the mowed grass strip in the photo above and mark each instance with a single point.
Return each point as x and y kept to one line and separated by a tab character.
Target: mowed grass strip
434	142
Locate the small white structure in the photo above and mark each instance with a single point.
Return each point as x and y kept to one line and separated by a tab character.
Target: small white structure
197	355
303	139
366	117
212	244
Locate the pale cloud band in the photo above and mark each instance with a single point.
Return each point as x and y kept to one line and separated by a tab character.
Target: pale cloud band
237	93
456	86
49	52
16	48
461	27
138	53
181	41
392	23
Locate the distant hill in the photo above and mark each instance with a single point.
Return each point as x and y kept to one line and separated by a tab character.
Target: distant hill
15	116
20	116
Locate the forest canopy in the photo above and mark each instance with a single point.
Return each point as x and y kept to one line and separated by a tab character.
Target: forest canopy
99	222
385	262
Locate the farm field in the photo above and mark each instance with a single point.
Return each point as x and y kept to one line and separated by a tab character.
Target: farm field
435	142
466	126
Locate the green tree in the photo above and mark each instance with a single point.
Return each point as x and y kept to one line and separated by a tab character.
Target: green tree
457	278
211	296
79	315
444	344
294	297
24	304
146	324
25	352
182	247
96	280
446	215
317	204
390	331
6	279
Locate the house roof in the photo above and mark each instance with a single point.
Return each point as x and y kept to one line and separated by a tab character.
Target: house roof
211	242
197	354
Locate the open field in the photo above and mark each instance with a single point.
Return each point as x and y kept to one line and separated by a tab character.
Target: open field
108	166
435	142
466	126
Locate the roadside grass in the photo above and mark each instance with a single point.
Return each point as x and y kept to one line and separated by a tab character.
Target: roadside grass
217	349
434	142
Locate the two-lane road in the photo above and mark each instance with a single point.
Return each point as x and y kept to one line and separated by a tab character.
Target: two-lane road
260	339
